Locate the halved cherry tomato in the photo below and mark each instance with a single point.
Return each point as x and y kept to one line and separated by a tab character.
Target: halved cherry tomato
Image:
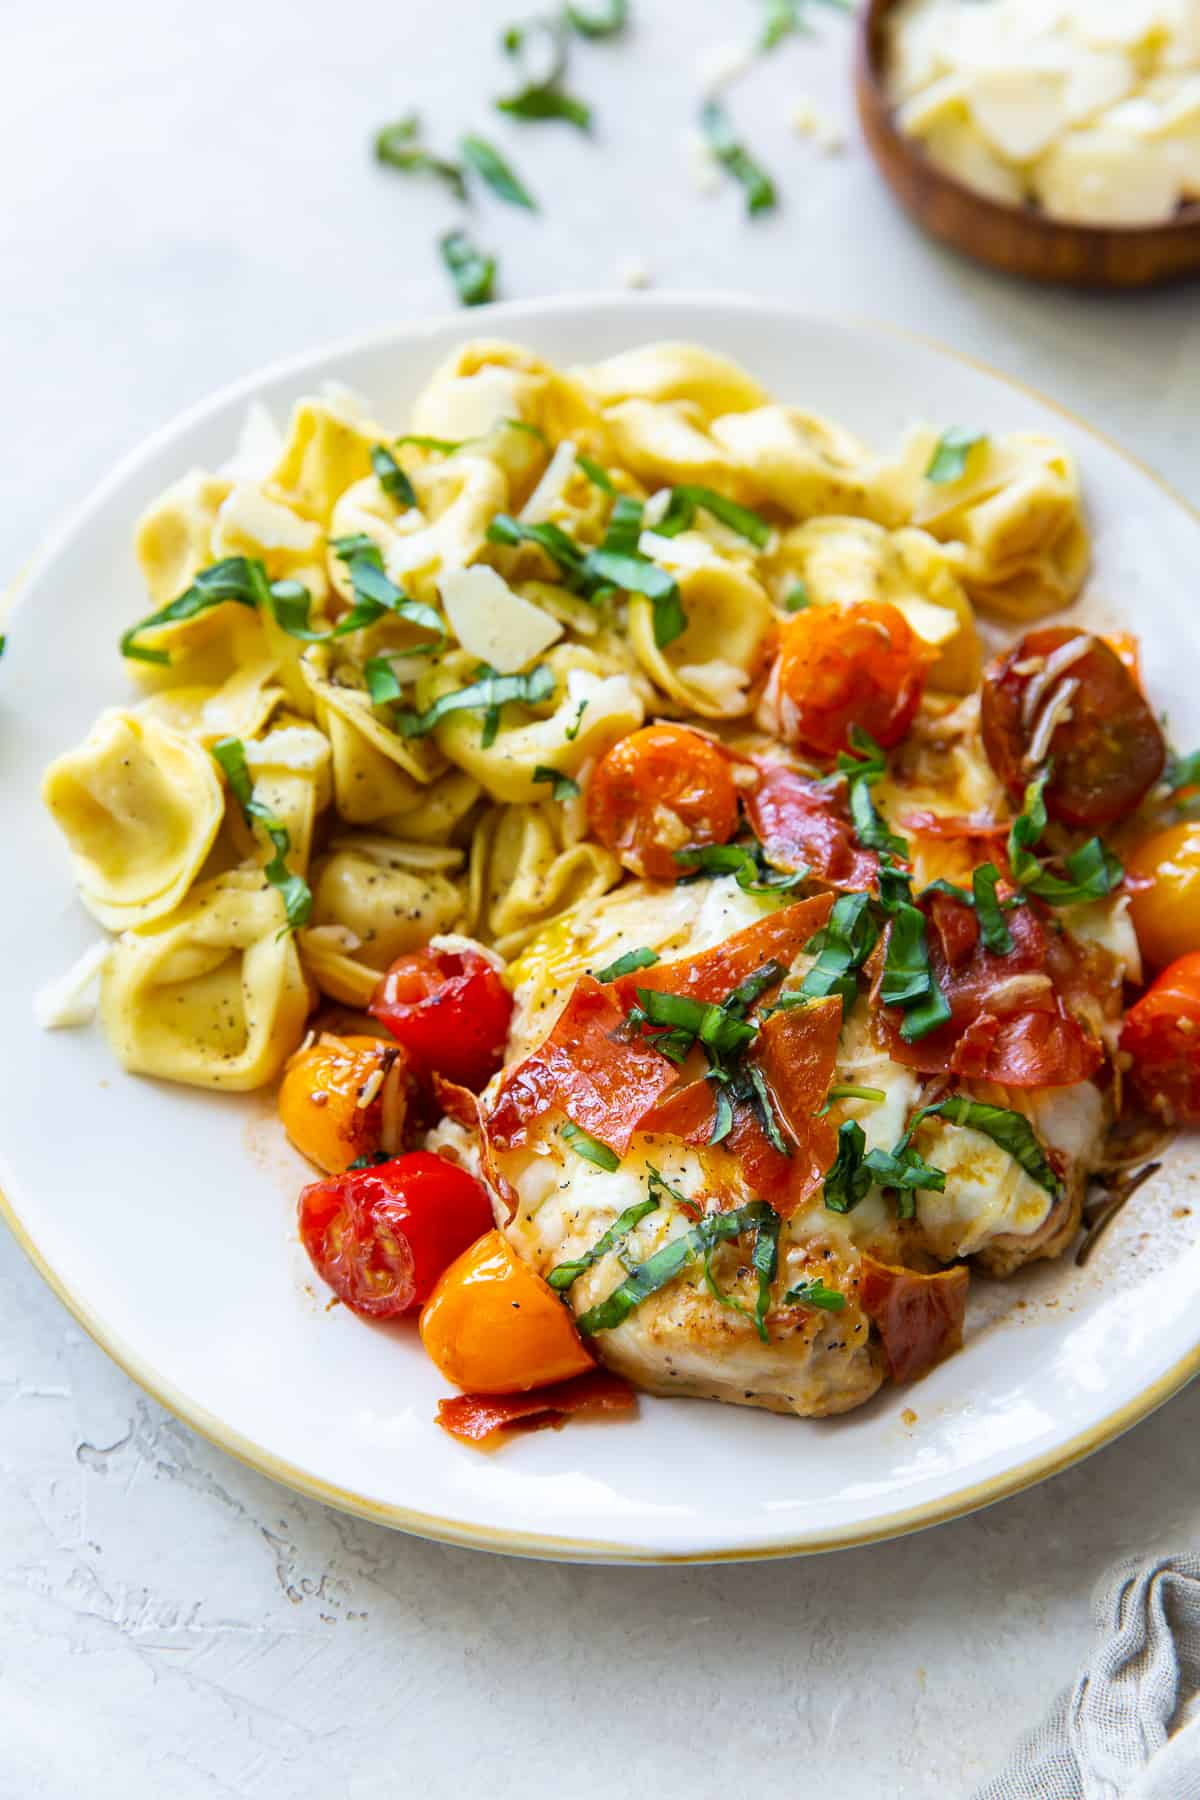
843	666
657	791
1106	754
1166	915
342	1098
493	1326
381	1237
450	1010
1162	1035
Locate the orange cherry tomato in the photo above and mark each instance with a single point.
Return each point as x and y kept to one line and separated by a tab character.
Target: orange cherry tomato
1162	1035
1106	754
345	1098
493	1326
1166	916
843	666
658	791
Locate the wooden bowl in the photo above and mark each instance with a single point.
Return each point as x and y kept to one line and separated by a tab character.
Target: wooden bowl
1017	239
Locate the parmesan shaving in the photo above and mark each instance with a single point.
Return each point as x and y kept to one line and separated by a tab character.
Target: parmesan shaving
549	490
1056	712
1051	667
69	1000
494	623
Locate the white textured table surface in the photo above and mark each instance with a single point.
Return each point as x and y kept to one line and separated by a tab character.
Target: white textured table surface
188	195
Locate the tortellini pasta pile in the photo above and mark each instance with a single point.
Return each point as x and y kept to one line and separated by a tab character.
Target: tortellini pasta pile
380	664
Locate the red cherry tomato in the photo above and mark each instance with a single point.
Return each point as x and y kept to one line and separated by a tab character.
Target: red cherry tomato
450	1010
1162	1035
658	791
843	666
1106	755
382	1237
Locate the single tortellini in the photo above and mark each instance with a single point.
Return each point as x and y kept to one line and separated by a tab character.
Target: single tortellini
327	449
173	538
667	372
667	443
377	773
525	873
713	667
802	463
139	805
213	995
368	909
1013	525
842	561
457	499
486	383
591	704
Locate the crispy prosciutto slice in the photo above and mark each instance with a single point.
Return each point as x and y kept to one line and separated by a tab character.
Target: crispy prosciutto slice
1008	1022
989	834
713	974
479	1419
796	1051
804	823
603	1085
919	1317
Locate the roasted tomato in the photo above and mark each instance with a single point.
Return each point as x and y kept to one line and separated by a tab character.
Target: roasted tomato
450	1010
1106	749
493	1326
381	1237
1162	1035
1166	915
658	791
342	1098
843	666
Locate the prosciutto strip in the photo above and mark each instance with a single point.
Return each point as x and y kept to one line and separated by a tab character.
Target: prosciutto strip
1017	1032
919	1317
796	1051
713	974
805	824
479	1419
603	1085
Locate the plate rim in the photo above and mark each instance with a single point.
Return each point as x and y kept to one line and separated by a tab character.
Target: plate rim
542	1545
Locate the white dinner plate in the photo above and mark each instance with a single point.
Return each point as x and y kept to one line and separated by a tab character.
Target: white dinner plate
163	1217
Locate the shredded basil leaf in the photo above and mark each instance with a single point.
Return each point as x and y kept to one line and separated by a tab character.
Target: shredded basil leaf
605	21
624	527
584	1144
487	695
536	103
472	271
562	787
543	95
949	460
627	964
815	1293
368	1160
637	575
551	539
659	1270
491	167
993	928
392	478
842	947
908	978
376	594
747	864
906	1172
1011	1130
572	730
684	1022
687	500
599	477
440	446
797	598
230	754
848	1181
1092	871
562	1277
382	684
396	146
242	579
760	189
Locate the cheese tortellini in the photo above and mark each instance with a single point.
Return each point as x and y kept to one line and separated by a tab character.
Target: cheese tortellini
395	651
